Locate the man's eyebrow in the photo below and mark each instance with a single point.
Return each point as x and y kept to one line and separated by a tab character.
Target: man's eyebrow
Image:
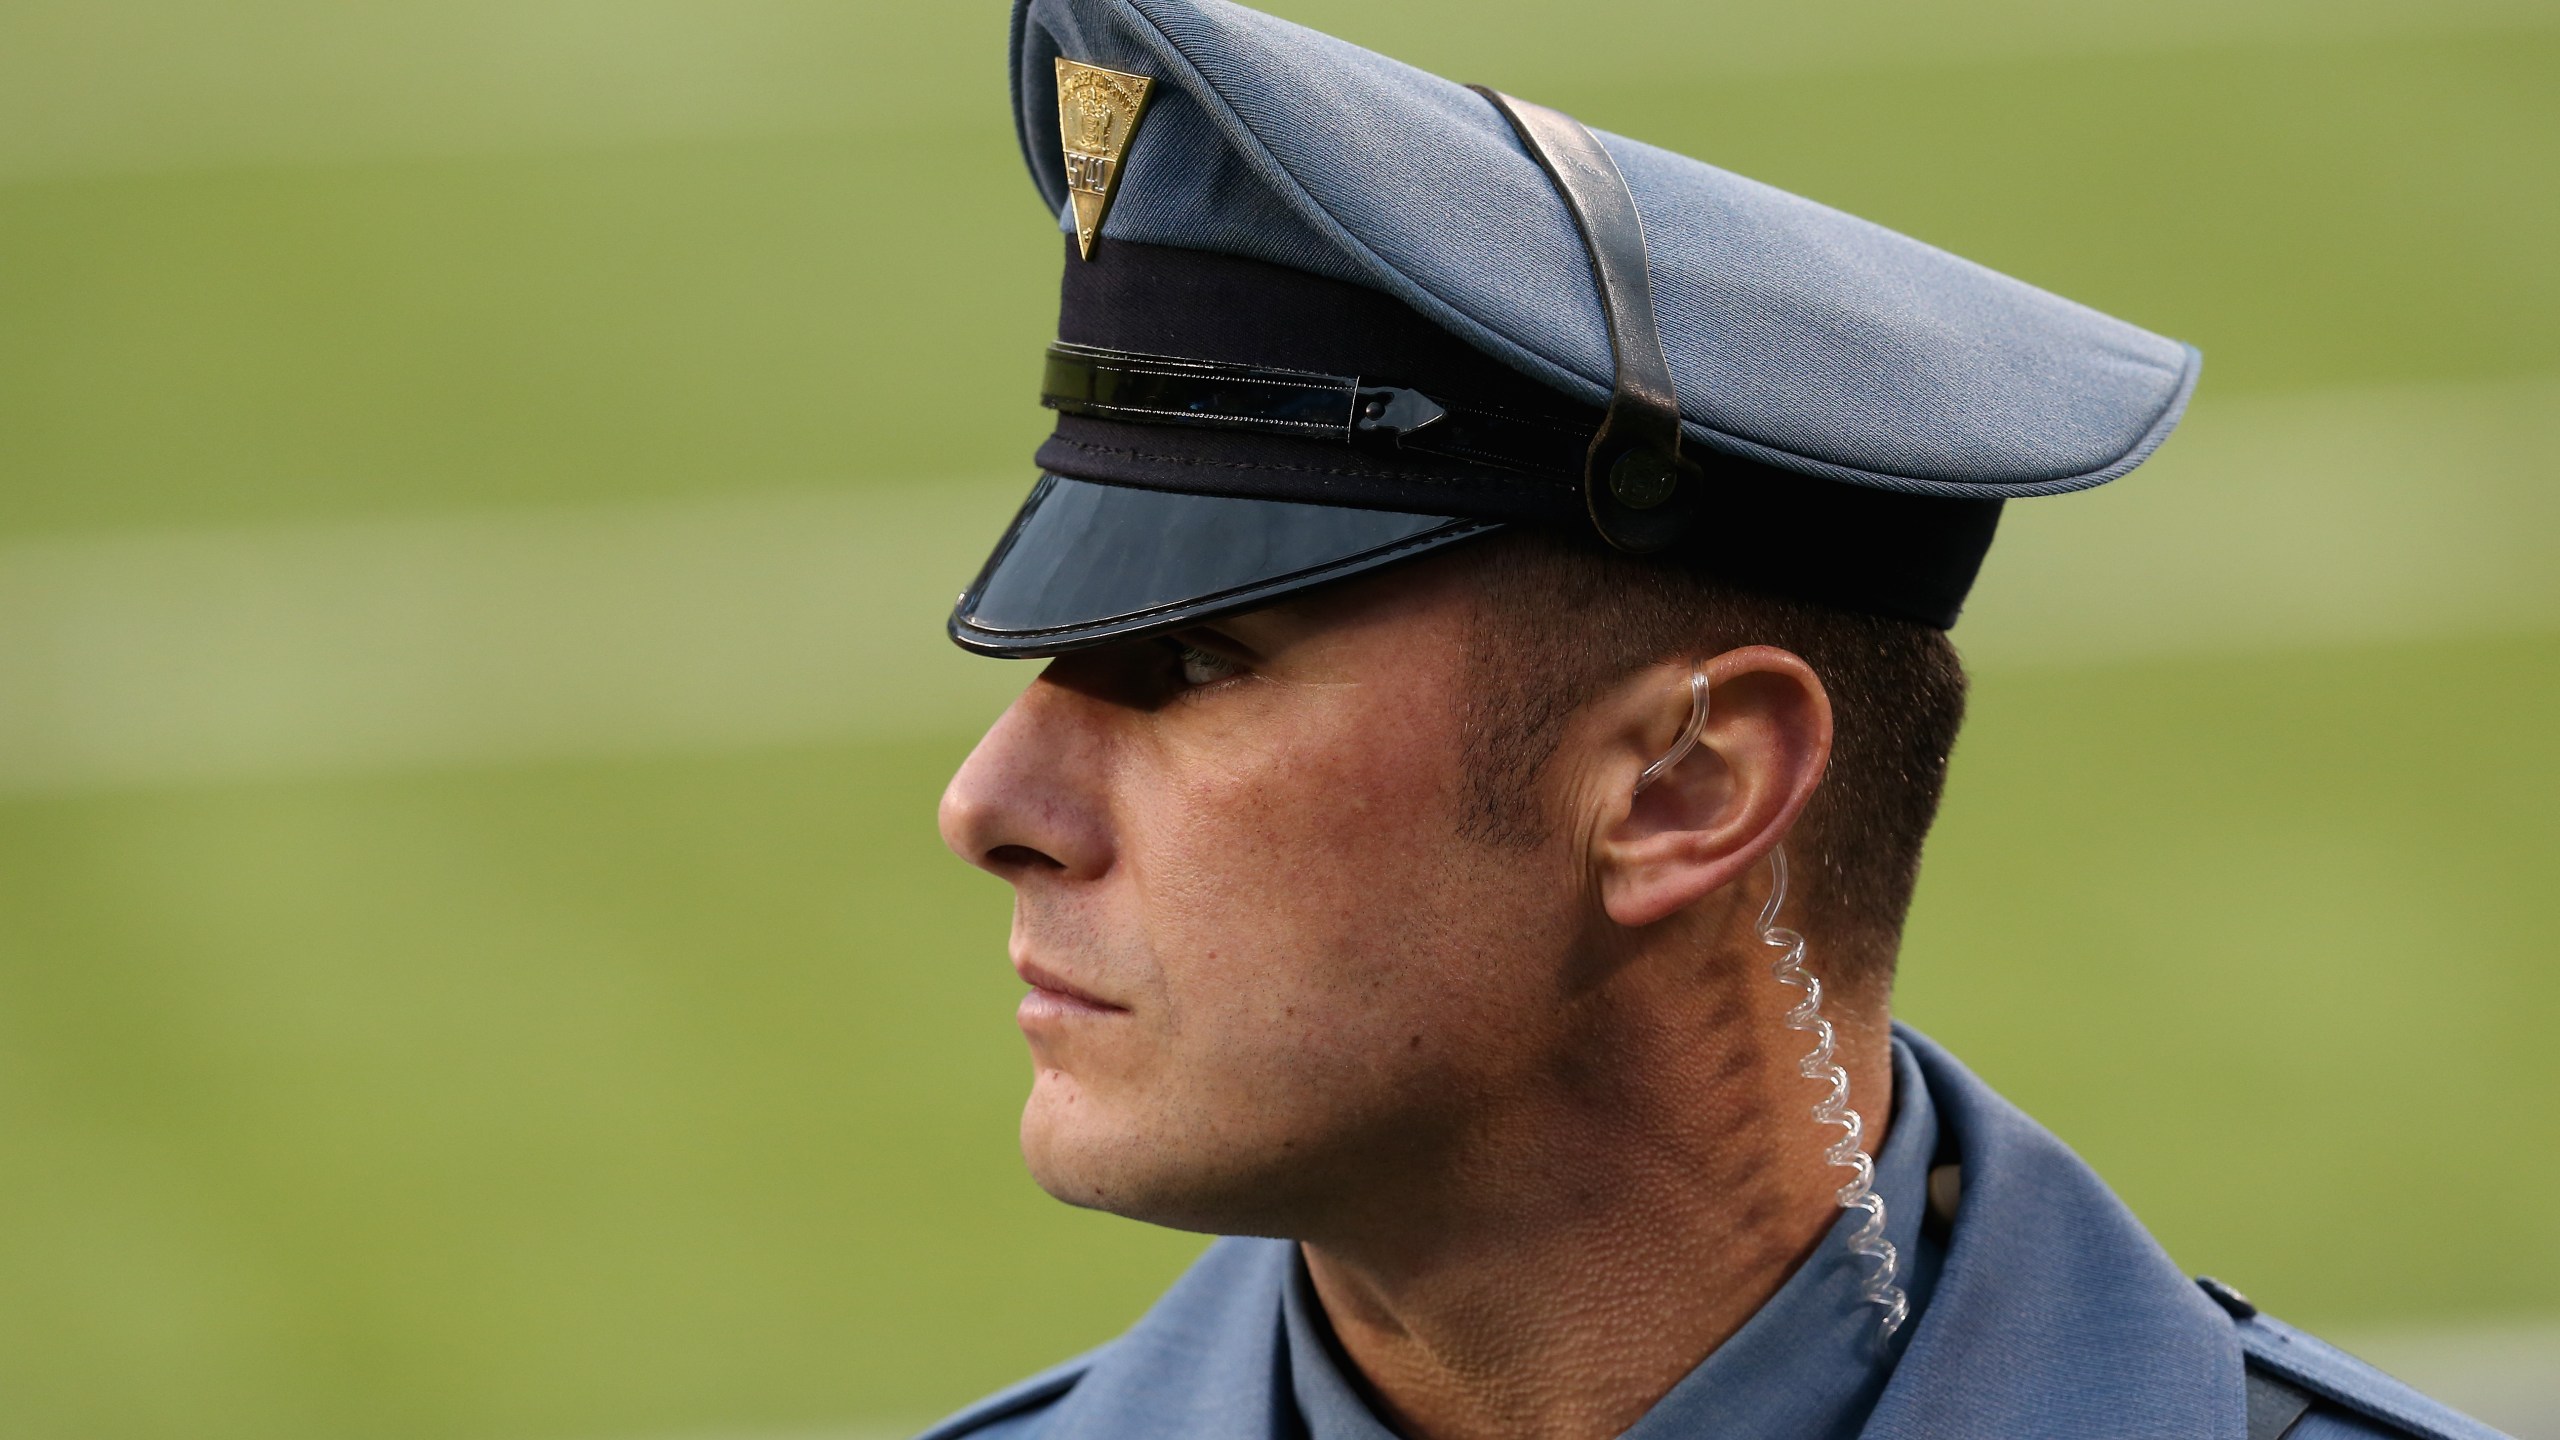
1215	637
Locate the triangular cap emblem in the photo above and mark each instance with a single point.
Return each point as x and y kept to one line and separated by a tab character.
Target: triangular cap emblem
1098	111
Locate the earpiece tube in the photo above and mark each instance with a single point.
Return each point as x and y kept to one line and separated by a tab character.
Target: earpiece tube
1848	1150
1688	740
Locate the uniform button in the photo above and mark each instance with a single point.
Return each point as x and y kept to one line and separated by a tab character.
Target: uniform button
2229	1299
1946	1191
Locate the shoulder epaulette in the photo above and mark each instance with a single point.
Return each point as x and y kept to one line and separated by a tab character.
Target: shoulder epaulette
2293	1376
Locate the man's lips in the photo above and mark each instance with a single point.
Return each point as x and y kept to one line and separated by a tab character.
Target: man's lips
1051	992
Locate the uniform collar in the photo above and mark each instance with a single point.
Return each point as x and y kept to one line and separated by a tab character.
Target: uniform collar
2052	1313
2056	1313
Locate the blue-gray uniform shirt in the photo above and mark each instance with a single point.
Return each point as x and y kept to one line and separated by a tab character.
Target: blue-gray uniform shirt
2043	1310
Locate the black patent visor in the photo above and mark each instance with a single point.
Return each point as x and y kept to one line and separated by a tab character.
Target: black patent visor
1087	564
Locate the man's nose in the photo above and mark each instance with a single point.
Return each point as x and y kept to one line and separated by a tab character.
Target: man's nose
1028	801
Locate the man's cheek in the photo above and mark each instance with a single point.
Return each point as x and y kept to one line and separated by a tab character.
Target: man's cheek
1121	1056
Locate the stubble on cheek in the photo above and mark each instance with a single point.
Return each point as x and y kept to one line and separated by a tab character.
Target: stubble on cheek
1284	876
1320	943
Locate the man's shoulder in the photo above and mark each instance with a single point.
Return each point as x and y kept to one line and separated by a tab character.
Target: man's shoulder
2303	1388
1016	1412
1202	1350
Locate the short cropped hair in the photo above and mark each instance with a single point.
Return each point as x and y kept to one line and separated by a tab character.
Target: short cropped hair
1558	621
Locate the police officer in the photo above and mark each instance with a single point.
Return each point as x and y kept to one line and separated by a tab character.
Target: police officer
1497	579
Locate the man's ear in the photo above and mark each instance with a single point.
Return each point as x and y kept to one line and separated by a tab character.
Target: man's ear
1702	824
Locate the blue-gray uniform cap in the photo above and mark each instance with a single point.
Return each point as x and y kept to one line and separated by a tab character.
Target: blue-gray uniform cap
1323	311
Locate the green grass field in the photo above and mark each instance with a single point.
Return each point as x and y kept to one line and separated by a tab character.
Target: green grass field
450	1069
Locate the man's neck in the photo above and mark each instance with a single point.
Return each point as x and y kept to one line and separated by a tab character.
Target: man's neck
1592	1255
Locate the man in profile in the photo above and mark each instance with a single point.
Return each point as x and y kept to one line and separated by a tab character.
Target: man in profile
1495	582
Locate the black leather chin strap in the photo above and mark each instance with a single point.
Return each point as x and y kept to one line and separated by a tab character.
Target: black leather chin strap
1642	492
1211	394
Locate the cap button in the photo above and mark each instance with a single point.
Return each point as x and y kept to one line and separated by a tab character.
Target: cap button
2229	1299
1642	479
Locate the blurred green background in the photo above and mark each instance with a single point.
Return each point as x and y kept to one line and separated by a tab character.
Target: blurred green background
479	483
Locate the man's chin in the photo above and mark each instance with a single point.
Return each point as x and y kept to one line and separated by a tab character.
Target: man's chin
1072	1147
1086	1157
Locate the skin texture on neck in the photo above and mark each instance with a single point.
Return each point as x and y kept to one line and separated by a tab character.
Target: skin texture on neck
1531	1110
1616	1231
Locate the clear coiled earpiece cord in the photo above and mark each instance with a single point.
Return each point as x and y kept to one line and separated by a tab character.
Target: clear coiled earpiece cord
1848	1151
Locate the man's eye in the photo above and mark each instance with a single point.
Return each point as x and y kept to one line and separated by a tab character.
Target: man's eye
1201	667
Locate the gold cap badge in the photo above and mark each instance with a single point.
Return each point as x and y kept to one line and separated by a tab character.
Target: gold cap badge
1098	111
